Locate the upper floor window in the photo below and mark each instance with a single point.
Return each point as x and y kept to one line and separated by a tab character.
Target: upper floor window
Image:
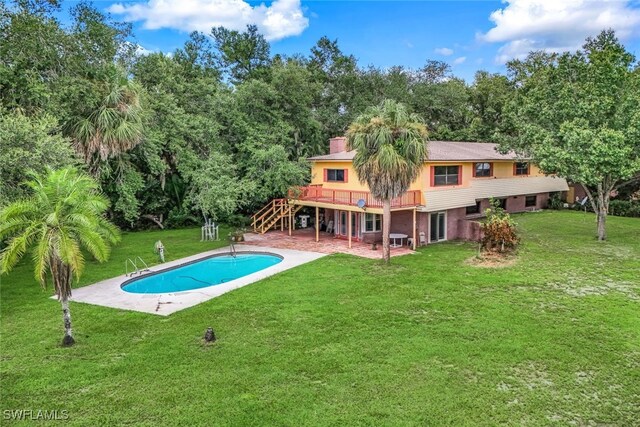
482	169
521	168
445	175
335	175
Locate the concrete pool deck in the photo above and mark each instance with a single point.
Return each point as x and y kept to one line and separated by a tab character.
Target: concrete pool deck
108	293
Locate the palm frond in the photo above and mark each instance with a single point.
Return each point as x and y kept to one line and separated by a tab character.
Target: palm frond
65	213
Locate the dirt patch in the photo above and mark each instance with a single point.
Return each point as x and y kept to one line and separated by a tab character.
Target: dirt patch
579	288
492	260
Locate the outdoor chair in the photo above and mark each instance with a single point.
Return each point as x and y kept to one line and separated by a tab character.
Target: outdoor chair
423	238
330	227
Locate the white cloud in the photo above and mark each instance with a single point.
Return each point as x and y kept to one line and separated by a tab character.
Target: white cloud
283	18
444	51
142	51
557	25
459	60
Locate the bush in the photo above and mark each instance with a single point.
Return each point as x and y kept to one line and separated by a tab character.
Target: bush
238	221
630	208
499	230
555	201
179	218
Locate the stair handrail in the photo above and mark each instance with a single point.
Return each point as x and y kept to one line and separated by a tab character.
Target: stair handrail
265	211
266	207
275	214
260	212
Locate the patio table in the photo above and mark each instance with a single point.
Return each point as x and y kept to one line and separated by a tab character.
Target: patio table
395	236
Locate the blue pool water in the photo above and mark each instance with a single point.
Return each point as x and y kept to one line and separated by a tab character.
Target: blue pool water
200	274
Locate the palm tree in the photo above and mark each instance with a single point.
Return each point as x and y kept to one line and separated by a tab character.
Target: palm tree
63	216
390	146
112	124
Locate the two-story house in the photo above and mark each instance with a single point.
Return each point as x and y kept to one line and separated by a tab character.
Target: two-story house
454	187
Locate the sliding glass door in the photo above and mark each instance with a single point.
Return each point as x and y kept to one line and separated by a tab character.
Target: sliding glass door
437	226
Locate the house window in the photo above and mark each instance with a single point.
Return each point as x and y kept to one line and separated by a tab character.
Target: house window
372	222
475	209
502	203
445	175
335	175
530	201
482	169
521	168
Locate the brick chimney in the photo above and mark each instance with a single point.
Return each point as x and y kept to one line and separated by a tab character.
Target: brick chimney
337	144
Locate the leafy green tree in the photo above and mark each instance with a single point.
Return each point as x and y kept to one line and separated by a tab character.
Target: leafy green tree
337	104
489	94
271	174
577	115
182	100
31	42
243	55
295	90
216	191
63	217
444	106
391	147
28	144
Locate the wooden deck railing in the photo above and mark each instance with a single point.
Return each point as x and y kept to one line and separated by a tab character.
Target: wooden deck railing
347	197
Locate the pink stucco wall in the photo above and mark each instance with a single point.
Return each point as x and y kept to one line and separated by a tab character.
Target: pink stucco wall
460	226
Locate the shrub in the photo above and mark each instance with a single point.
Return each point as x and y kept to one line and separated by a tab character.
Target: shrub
499	230
238	221
179	218
555	201
629	208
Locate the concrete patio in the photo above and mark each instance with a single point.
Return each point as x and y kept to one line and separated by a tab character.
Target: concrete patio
304	240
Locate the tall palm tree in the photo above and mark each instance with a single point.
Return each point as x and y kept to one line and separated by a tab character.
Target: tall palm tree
63	216
391	148
110	123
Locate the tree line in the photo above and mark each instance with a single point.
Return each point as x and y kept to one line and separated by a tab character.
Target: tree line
219	126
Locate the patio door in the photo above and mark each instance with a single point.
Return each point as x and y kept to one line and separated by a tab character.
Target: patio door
354	224
437	226
343	226
343	223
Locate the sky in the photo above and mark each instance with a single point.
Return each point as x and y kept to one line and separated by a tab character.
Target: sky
469	35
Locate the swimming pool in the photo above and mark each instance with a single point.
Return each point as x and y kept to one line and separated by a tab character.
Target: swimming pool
202	273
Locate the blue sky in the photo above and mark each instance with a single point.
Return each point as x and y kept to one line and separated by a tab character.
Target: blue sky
469	35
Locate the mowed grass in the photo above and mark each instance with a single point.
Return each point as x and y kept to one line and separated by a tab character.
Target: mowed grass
430	340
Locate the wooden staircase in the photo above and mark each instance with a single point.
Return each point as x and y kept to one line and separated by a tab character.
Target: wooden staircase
268	217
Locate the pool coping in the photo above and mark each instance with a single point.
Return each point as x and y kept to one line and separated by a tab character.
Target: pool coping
109	293
133	278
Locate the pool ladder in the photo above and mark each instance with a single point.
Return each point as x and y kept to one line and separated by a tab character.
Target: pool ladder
232	249
134	264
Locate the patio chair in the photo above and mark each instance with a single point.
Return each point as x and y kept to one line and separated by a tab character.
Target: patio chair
330	227
423	238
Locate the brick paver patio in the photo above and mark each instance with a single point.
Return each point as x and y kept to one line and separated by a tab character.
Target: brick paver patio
304	240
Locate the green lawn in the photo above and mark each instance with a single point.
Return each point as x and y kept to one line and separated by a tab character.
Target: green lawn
430	340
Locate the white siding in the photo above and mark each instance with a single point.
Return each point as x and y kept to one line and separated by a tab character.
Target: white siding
485	188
